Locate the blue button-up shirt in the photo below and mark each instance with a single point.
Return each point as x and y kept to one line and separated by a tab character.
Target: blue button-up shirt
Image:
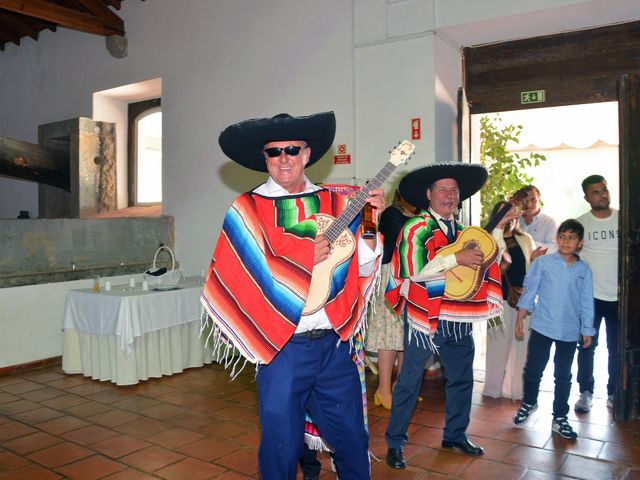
560	297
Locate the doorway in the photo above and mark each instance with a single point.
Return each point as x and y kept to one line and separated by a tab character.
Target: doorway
577	141
588	66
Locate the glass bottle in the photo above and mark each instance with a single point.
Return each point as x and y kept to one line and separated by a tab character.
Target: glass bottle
368	226
96	284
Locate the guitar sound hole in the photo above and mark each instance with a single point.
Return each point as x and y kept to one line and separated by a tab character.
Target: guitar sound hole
472	244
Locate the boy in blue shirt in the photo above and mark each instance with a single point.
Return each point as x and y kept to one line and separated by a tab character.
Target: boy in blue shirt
562	314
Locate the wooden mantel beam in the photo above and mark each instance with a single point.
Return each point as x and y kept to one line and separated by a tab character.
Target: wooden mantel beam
33	162
104	24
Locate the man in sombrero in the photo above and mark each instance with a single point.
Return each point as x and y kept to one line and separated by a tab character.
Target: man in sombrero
257	287
434	322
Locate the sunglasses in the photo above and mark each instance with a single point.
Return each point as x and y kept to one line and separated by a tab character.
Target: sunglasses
291	150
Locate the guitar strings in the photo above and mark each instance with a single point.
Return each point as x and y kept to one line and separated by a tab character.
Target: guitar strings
335	229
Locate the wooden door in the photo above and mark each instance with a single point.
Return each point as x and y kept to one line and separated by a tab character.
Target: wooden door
627	404
467	213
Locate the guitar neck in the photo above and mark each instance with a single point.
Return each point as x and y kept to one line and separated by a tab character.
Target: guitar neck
517	199
355	206
493	221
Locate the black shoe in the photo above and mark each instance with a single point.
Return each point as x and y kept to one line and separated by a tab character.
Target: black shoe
395	458
465	447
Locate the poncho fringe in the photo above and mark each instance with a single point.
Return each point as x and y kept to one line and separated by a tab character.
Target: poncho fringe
260	275
426	304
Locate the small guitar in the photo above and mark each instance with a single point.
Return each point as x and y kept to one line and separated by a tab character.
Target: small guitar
463	282
341	240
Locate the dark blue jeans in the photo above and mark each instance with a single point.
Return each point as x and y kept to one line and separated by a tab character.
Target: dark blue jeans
608	311
456	354
538	351
320	376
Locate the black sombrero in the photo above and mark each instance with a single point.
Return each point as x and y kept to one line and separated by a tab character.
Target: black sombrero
470	178
243	141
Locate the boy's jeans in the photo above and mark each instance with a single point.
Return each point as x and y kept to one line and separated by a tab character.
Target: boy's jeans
537	358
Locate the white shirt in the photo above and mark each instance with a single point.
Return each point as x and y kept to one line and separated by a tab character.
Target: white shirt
600	252
366	256
543	229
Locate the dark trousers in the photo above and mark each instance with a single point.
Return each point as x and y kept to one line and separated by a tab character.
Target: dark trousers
319	376
456	354
538	351
309	463
608	311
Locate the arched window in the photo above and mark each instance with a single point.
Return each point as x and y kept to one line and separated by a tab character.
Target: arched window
145	153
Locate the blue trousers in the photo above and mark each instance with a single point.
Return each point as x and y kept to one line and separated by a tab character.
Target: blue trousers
456	354
608	311
318	375
538	351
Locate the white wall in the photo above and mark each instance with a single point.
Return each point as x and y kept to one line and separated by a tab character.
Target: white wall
16	195
448	68
377	63
382	119
31	320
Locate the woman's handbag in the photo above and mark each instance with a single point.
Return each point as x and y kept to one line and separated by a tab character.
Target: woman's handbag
161	278
513	293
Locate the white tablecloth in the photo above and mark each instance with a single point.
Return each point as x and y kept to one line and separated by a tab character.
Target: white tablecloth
125	336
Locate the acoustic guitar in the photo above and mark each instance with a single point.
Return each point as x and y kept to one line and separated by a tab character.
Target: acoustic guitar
341	240
463	282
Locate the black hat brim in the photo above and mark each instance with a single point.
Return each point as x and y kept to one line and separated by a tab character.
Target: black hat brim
244	141
470	177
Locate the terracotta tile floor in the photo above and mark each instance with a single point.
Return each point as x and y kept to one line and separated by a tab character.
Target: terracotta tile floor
199	425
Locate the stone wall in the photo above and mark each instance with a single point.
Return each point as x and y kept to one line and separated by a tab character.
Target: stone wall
59	250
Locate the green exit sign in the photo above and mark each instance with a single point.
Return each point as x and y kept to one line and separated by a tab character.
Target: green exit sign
534	96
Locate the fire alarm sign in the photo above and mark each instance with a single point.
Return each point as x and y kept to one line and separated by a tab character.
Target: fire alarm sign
415	129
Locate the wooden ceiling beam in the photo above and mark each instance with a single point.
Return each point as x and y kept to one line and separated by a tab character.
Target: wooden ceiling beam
7	35
65	17
4	38
40	25
18	25
99	9
114	3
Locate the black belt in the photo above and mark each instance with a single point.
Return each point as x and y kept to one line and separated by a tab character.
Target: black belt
315	334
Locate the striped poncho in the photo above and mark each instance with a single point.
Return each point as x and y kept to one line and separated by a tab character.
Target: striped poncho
259	277
426	302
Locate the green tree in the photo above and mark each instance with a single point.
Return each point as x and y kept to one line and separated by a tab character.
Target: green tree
506	169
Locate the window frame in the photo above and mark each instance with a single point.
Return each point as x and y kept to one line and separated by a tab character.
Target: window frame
136	111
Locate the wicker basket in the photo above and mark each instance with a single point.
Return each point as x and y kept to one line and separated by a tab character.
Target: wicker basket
168	280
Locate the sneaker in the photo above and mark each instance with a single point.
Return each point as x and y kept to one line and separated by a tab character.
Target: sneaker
583	405
523	413
561	426
611	400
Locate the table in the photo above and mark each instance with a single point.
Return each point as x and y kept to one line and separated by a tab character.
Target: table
126	335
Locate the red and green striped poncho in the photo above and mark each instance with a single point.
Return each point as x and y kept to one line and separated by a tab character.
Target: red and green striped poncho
260	273
426	302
